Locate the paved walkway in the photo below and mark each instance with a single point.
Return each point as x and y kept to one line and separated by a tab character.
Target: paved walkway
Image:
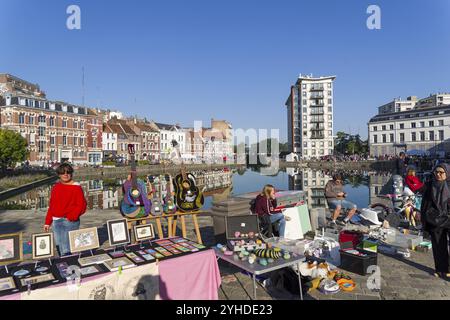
400	278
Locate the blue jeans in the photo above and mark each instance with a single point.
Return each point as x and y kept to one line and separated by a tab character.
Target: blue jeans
61	228
279	217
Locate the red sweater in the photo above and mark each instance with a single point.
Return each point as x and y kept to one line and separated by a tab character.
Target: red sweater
413	183
66	201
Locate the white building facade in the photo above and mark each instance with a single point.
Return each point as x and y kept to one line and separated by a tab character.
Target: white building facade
310	116
424	129
168	133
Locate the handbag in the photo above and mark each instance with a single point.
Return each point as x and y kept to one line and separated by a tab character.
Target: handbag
435	218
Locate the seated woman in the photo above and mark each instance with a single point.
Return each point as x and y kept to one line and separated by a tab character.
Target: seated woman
412	181
265	205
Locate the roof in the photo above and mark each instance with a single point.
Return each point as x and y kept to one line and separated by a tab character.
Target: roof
410	114
116	128
128	129
145	127
163	126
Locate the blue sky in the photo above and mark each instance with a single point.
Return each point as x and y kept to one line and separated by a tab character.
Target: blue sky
180	61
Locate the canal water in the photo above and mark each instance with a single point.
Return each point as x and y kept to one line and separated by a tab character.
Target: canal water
362	188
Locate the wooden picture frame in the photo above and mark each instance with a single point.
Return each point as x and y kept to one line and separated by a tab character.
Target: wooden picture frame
118	233
11	248
43	246
83	240
138	234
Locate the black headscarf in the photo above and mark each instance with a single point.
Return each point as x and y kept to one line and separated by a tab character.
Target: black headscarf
439	189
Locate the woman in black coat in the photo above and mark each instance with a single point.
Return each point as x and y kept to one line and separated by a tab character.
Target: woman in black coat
435	217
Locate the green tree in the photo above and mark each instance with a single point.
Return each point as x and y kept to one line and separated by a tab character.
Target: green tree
13	148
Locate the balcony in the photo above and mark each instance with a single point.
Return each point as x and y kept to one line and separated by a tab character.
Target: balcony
317	136
316	96
317	119
317	88
317	111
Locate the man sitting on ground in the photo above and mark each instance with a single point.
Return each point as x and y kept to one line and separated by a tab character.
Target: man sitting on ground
334	192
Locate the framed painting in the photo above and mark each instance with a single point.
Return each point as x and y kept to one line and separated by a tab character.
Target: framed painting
7	284
144	232
83	239
118	232
43	246
10	248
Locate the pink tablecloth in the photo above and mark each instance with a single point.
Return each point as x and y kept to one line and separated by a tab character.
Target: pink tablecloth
192	277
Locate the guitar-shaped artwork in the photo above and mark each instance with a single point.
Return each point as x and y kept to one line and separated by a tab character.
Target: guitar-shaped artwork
135	203
155	196
187	195
169	206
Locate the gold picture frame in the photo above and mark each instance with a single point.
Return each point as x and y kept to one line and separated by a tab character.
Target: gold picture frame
43	245
83	239
7	284
11	248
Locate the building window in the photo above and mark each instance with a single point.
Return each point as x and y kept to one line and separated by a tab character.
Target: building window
41	146
402	137
375	128
431	135
305	110
304	102
413	124
330	109
31	120
383	127
329	93
402	126
431	123
21	118
391	127
441	135
52	140
52	122
391	136
304	86
384	138
41	131
330	101
375	138
422	135
422	124
64	123
41	119
64	140
413	136
441	122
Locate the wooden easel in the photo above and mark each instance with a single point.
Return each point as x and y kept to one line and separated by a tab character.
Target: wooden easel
171	223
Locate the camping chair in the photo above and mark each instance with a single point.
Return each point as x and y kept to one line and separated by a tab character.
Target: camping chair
268	229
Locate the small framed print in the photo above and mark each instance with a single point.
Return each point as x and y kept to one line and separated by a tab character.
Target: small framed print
7	284
10	248
42	244
118	232
83	239
144	232
37	279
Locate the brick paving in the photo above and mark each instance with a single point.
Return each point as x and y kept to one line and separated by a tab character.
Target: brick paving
401	278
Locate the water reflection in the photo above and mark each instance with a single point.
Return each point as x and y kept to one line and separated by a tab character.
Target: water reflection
362	188
107	193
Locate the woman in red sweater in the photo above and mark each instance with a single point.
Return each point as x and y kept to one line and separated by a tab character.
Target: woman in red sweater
67	204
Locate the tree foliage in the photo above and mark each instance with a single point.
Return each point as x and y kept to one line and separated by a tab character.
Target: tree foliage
350	144
13	148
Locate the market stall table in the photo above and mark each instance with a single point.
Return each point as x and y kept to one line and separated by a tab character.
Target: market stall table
193	275
256	269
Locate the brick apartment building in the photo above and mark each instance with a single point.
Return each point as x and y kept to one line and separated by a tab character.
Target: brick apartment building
55	131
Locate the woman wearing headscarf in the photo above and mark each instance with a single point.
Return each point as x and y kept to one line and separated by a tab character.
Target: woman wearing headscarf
435	217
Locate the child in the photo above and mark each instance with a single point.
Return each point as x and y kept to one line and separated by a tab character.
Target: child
412	181
67	204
